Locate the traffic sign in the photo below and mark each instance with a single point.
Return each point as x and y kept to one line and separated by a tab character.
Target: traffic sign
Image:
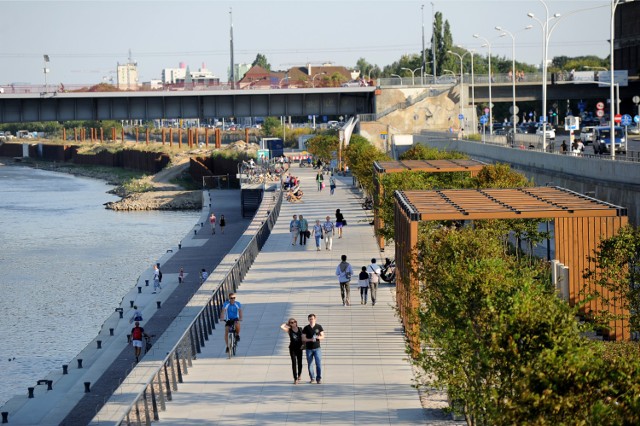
543	118
600	113
461	116
636	118
515	119
513	110
617	118
600	105
636	99
626	120
483	119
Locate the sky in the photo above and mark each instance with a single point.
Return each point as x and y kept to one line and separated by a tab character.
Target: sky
85	39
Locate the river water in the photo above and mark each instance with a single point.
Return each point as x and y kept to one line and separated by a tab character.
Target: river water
65	264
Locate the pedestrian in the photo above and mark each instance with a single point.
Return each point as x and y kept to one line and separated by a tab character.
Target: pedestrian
212	221
137	315
304	228
312	334
329	231
203	275
137	333
374	278
156	279
317	233
344	273
294	229
223	223
332	184
340	222
295	347
320	180
181	275
564	146
363	284
159	273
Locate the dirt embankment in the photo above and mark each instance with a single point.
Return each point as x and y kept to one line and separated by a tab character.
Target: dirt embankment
159	200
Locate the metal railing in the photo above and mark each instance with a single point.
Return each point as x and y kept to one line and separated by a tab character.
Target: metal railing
150	385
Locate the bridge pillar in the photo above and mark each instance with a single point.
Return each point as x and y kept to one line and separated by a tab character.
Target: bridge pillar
206	137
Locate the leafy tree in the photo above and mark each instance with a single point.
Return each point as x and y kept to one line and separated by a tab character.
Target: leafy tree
423	152
616	270
499	176
360	155
261	60
368	70
323	146
270	126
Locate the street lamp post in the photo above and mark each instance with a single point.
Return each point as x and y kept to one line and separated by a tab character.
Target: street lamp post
46	71
424	64
413	74
313	80
614	4
461	81
433	40
488	44
514	112
396	75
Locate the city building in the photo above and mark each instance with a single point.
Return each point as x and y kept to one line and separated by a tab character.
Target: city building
127	76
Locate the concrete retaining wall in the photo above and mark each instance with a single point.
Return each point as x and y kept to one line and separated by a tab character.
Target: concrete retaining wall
616	182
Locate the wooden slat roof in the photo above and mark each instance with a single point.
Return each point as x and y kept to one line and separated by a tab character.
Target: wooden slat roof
431	166
520	203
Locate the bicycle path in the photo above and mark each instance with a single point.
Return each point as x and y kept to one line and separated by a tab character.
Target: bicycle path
367	378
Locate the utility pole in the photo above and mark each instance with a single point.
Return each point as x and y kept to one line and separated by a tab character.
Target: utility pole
424	63
433	40
233	71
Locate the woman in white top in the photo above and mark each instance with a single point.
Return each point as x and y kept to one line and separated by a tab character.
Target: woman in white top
363	283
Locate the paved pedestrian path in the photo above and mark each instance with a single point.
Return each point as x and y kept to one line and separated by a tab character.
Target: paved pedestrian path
367	378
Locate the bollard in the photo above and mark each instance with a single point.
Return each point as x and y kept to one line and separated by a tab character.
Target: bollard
146	283
87	386
5	417
159	303
111	332
49	384
180	245
99	342
79	362
139	290
120	311
195	232
30	392
128	338
201	224
131	303
65	369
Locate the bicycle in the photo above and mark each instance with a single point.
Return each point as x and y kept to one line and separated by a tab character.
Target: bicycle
233	343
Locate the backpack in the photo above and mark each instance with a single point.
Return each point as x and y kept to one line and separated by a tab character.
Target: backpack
136	333
159	275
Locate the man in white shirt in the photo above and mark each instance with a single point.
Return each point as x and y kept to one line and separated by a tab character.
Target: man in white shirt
328	229
374	271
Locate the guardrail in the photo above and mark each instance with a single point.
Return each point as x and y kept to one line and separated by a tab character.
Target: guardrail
141	397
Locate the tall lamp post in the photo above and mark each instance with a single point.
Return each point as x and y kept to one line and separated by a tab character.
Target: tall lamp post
424	63
461	80
488	44
433	40
514	112
413	74
396	75
313	80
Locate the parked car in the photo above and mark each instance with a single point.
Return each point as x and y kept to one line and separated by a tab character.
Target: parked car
634	129
587	133
602	140
550	132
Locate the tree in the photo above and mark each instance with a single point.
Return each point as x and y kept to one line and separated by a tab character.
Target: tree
261	60
270	126
360	155
323	146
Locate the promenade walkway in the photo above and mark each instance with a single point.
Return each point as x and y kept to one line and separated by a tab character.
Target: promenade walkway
367	378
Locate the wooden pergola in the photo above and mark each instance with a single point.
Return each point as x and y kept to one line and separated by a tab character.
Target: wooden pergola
581	222
428	166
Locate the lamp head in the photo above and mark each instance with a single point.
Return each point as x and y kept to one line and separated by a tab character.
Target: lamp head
528	27
531	15
502	34
499	28
556	15
476	36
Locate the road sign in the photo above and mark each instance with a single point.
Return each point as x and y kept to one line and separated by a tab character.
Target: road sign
515	119
600	113
636	118
543	118
483	119
600	105
626	120
617	118
581	106
636	99
486	110
461	116
513	110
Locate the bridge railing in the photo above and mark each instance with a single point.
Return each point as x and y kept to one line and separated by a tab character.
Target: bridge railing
149	386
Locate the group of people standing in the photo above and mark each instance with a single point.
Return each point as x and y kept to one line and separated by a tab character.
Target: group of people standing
299	229
321	184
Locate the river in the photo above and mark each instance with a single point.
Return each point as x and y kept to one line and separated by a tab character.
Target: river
65	264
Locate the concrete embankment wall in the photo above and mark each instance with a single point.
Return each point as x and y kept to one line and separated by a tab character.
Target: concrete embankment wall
616	182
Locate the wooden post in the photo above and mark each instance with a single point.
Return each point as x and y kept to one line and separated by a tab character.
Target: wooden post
195	137
75	134
137	132
217	138
170	136
147	135
101	135
164	135
122	134
64	134
189	137
180	137
246	134
206	137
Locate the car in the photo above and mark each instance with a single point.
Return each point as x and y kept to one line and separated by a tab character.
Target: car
634	129
550	132
602	140
587	133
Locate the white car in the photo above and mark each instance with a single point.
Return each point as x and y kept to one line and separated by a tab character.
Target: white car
550	132
587	133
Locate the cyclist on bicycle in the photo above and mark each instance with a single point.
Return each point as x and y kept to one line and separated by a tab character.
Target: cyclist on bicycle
232	314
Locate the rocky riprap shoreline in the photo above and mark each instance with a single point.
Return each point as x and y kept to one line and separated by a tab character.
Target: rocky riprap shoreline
159	200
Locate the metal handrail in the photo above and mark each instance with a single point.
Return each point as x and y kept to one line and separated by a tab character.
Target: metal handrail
154	388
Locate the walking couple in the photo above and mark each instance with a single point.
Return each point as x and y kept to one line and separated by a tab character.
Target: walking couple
308	338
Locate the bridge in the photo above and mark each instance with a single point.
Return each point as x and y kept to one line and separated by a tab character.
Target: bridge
204	104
